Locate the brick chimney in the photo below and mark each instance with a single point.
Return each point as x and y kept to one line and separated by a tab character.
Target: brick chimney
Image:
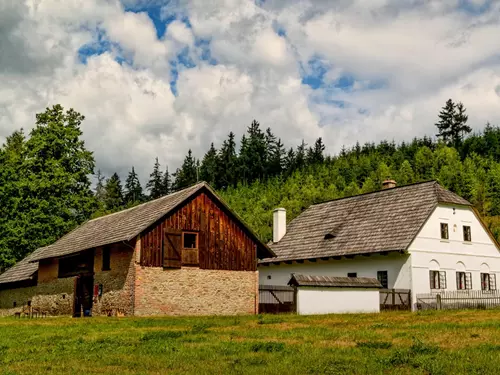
388	184
279	224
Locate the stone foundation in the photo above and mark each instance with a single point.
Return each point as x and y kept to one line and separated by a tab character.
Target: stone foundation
193	291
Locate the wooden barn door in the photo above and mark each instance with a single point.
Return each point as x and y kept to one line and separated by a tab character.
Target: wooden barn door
172	252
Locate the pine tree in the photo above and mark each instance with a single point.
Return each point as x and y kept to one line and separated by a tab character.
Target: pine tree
208	169
100	192
459	127
187	175
315	154
300	156
253	153
167	183
227	164
289	162
446	121
275	155
133	189
114	193
155	183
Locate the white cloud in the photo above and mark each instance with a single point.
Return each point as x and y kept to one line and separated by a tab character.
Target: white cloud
419	52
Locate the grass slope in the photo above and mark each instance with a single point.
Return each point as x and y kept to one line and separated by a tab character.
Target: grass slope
389	343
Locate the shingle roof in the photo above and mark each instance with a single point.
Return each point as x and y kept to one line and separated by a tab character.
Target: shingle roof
386	220
334	281
22	270
127	224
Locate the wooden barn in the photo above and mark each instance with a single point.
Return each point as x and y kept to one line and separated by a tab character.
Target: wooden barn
183	254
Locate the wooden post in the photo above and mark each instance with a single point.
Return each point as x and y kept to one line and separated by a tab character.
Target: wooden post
438	302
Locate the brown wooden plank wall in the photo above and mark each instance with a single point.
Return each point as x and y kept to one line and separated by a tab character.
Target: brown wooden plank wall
223	244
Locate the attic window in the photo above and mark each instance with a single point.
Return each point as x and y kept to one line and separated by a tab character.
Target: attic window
329	236
190	240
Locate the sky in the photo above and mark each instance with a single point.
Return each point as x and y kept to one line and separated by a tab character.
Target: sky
156	78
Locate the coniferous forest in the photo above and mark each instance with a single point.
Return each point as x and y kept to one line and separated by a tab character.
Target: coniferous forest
46	176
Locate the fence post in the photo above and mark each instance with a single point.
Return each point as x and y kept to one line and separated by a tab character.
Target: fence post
438	302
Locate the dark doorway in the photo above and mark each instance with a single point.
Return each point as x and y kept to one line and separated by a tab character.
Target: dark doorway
83	295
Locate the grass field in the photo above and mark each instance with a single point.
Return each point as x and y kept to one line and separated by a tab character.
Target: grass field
466	342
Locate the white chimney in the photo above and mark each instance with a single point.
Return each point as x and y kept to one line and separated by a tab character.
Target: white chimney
279	224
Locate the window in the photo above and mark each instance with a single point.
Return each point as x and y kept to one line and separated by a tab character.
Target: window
488	281
352	274
190	240
76	264
444	231
190	253
467	236
464	280
106	258
437	279
382	277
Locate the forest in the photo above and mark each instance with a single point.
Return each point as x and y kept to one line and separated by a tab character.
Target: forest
46	176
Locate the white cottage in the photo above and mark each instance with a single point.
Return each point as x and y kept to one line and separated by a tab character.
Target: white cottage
421	238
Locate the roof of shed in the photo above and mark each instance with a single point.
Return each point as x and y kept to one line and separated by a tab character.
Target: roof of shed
333	281
22	270
386	220
127	224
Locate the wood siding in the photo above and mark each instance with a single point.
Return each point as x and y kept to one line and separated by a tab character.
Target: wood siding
223	244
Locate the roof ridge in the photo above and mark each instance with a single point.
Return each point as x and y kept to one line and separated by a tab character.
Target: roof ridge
377	192
147	203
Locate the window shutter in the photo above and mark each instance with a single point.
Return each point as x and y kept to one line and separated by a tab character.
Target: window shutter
190	257
468	280
458	281
431	279
172	248
493	281
442	280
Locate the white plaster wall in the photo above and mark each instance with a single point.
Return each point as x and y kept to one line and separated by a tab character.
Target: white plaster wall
397	267
337	300
428	251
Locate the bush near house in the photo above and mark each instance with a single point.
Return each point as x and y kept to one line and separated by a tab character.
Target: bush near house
437	342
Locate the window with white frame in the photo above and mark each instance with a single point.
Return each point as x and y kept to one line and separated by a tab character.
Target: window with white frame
488	281
464	280
437	279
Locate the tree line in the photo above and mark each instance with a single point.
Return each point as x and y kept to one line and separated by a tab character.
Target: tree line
45	185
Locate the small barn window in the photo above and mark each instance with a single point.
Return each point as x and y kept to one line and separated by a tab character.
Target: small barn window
382	277
106	258
352	274
444	231
437	279
467	234
190	240
488	281
464	280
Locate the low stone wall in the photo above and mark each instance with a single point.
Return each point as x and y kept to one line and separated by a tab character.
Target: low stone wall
54	298
193	291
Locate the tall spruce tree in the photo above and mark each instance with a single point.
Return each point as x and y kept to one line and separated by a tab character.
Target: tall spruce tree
114	193
315	154
227	163
253	153
155	183
446	121
187	175
459	128
300	156
167	183
208	168
133	189
100	191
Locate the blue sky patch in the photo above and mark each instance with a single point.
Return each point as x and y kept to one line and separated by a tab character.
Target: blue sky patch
313	75
206	54
471	8
96	47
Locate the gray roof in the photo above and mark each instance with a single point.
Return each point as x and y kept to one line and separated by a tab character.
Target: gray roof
22	270
334	281
127	224
387	220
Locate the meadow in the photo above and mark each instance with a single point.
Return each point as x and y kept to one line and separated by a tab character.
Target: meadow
437	342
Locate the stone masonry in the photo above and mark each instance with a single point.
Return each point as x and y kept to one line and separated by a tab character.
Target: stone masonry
194	291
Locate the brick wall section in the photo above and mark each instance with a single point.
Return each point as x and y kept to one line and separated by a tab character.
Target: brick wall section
194	291
118	282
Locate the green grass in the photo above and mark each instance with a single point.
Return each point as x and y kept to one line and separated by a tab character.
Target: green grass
466	342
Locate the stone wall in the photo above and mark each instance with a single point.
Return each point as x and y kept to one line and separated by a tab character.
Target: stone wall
194	291
19	295
118	283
